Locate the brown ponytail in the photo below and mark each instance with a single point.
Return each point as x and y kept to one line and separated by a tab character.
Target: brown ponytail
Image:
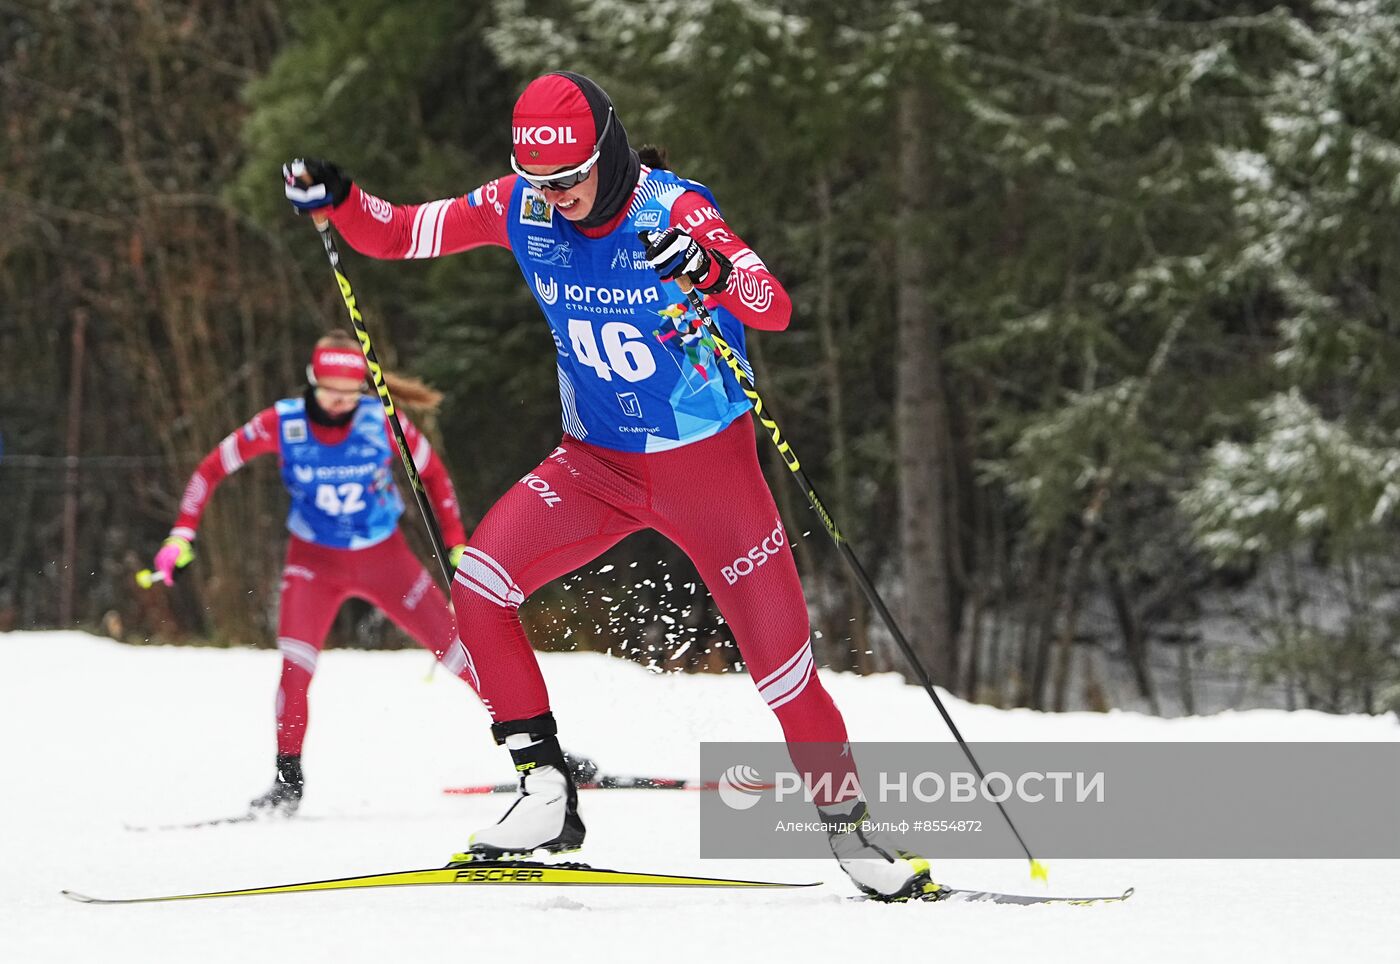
655	157
413	393
407	391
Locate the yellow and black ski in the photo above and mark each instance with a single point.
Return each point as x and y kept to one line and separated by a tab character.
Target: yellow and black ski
522	873
955	895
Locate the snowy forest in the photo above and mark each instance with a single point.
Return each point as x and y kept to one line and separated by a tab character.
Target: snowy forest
1093	317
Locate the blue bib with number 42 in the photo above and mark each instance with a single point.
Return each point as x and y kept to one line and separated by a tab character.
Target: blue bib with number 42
343	495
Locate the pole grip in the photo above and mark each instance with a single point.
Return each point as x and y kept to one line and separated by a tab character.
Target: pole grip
319	217
686	285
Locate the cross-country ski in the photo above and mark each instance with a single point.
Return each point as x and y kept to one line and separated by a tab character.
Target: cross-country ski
480	873
603	782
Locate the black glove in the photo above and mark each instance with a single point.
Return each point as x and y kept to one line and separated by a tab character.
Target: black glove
312	184
673	253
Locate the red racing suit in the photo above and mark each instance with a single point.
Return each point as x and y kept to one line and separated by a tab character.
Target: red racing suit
316	579
707	496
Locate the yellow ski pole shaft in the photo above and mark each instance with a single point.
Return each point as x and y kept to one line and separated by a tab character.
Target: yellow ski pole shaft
375	377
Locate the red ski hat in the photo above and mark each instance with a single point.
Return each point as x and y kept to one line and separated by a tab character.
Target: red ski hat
335	361
553	124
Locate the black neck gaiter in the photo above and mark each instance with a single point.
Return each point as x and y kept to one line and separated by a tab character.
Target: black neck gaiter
618	167
320	416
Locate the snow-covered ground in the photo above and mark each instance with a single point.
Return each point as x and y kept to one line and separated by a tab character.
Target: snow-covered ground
100	737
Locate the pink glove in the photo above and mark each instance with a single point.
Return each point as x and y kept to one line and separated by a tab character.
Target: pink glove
174	553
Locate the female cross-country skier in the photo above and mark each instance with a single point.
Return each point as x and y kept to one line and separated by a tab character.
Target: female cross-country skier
336	454
656	435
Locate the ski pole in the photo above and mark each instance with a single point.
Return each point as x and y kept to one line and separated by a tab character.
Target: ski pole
766	419
375	376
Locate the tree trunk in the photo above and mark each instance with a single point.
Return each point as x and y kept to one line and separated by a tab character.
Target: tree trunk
849	615
1134	639
1041	619
1076	576
920	416
1187	692
70	486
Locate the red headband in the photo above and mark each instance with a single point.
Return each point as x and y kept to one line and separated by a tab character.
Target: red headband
552	123
334	362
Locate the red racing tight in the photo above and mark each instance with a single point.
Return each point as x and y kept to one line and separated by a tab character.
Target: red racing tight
316	580
711	500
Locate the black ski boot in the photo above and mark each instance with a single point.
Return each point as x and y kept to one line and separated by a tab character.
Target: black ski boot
285	796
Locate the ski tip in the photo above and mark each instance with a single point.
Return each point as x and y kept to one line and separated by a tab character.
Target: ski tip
1103	900
80	898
